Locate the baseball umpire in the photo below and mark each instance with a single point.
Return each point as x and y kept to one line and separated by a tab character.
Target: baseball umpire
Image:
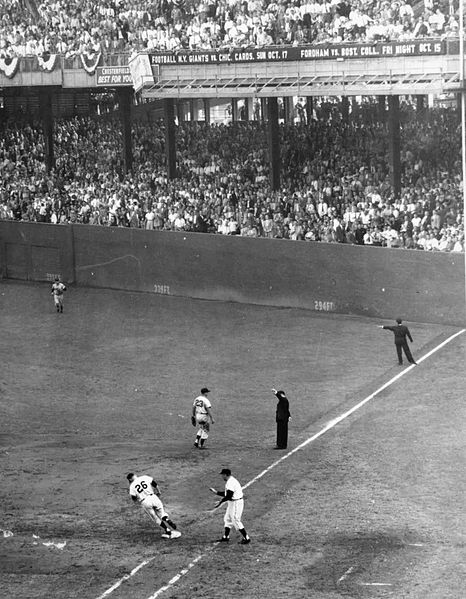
400	332
282	415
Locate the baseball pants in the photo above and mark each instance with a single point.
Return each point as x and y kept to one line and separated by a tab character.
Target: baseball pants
204	427
233	514
404	346
154	508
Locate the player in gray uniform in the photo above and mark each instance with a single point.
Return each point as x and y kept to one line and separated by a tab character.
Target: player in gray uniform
201	417
57	291
233	494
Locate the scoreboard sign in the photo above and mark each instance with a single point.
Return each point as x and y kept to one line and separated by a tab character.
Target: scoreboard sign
302	53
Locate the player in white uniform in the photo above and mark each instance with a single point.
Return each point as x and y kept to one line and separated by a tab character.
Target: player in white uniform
57	291
202	417
145	491
233	494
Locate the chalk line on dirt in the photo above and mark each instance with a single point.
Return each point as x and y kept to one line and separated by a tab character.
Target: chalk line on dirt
305	443
125	577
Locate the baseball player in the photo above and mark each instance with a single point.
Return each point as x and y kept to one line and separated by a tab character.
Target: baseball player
57	291
145	491
233	494
202	418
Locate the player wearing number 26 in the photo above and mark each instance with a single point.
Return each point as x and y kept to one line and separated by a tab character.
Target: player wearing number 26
144	490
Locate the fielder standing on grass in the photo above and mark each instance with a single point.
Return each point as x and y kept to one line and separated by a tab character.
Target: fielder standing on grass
233	494
202	418
58	289
145	491
401	331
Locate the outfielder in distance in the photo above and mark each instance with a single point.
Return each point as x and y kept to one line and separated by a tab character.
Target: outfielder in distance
202	418
57	291
145	491
401	331
233	494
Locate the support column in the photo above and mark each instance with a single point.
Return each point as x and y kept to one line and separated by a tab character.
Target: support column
345	109
288	109
181	111
249	109
234	110
170	137
381	109
206	102
264	112
45	111
124	101
420	104
309	108
273	143
394	136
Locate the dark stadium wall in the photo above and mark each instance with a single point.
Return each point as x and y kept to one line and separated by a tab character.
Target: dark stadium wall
376	282
36	252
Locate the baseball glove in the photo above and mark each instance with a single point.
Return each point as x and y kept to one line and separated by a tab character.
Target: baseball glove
193	421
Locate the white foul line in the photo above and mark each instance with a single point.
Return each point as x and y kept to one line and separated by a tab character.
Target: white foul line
125	577
346	574
326	428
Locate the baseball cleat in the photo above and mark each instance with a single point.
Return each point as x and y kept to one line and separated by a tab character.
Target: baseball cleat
223	540
174	534
244	541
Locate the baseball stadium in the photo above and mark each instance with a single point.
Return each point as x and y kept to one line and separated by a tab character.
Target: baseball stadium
232	199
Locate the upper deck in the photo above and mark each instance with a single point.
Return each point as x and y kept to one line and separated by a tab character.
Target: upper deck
384	68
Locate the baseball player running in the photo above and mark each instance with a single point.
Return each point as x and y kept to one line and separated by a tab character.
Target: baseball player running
202	418
145	491
57	291
233	494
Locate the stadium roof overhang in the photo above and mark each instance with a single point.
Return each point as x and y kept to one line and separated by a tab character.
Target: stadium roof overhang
380	75
361	84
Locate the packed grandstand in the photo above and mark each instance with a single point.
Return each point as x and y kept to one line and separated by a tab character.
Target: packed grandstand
66	27
335	180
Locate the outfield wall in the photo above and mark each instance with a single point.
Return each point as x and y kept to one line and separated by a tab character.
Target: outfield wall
376	282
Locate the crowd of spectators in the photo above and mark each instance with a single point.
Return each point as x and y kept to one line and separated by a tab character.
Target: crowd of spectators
335	179
66	27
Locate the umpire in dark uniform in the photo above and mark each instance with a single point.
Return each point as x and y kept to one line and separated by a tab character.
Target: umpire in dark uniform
401	331
282	417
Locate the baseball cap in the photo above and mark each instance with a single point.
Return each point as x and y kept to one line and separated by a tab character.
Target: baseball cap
205	390
226	471
399	321
130	475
